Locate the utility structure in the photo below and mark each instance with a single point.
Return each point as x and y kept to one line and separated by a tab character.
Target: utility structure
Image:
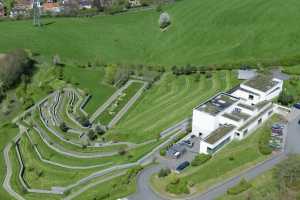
36	13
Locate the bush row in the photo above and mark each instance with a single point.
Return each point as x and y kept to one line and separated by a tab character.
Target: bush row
263	143
239	188
200	159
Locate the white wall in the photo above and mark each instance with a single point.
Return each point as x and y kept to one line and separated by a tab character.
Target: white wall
203	123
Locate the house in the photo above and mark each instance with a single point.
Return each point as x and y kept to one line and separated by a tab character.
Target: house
52	7
226	117
1	9
85	4
21	8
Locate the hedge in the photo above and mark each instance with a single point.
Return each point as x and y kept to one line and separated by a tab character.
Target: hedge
242	186
200	159
263	143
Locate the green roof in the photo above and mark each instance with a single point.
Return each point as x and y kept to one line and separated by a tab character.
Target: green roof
219	133
261	82
248	107
217	104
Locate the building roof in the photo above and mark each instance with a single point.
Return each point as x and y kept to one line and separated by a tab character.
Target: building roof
50	6
246	106
246	74
217	104
256	117
277	73
219	133
261	82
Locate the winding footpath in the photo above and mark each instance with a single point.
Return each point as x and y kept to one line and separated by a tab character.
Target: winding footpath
145	191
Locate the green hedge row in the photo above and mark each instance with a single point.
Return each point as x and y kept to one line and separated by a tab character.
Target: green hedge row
239	188
200	159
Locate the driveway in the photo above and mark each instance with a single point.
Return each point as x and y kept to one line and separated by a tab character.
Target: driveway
293	136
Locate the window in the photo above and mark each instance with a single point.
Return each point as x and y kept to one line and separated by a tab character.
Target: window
245	132
237	134
219	146
270	112
259	121
251	97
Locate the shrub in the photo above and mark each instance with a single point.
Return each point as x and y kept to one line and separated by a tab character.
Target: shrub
163	152
164	20
178	186
200	159
63	127
263	143
242	186
163	172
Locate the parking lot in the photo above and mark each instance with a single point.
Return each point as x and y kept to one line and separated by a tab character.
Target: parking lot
188	155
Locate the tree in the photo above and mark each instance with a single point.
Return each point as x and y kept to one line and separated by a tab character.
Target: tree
13	66
164	20
99	130
287	174
63	127
110	73
71	7
285	99
91	135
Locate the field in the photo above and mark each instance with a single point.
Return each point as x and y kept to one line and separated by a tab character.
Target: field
234	158
168	102
202	31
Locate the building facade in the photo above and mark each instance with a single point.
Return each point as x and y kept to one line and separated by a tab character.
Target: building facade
226	117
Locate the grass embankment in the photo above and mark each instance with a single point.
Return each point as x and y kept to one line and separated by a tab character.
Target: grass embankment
209	30
90	80
231	160
119	103
42	175
169	101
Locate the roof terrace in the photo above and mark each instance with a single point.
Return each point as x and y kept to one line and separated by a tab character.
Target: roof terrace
217	104
261	82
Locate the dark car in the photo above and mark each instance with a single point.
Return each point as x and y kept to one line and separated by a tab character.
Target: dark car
182	166
299	121
297	105
187	143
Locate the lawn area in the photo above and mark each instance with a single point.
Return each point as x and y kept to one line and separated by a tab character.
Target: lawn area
202	31
234	158
119	103
90	80
169	101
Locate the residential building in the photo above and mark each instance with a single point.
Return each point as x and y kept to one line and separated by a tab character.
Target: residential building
1	9
226	117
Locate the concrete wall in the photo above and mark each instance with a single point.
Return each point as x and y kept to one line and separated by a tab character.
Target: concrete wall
203	123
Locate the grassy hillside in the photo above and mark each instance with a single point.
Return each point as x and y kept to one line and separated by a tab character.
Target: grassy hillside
203	31
169	101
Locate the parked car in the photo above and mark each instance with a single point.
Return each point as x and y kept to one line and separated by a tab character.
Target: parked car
297	105
299	121
182	166
187	143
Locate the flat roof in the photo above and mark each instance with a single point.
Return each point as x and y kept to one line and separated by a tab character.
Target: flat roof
261	82
219	133
256	117
248	107
217	104
236	116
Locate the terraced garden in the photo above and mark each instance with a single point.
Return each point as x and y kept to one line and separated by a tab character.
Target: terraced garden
60	151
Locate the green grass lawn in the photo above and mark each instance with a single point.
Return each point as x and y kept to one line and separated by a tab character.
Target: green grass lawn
119	103
202	31
90	80
243	154
169	101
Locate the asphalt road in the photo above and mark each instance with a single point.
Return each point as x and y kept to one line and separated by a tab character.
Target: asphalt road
145	192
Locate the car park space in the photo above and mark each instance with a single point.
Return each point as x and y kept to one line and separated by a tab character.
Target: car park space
183	151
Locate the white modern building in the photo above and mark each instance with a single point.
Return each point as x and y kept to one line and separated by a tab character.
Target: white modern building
226	116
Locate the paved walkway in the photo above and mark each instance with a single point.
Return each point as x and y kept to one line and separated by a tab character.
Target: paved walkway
145	192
